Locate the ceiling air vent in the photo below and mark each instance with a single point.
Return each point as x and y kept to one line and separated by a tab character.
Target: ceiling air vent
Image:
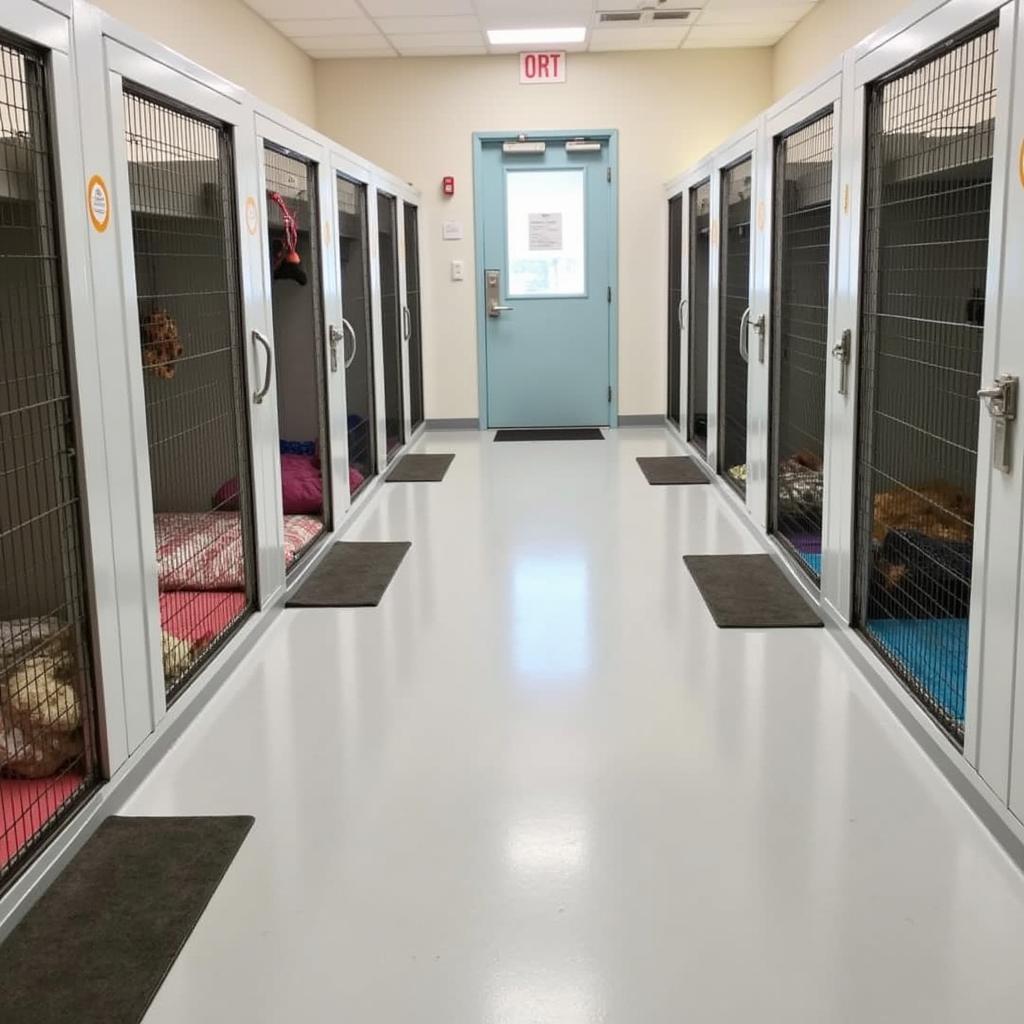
646	15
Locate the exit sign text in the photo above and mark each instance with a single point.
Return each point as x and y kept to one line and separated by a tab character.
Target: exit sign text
541	68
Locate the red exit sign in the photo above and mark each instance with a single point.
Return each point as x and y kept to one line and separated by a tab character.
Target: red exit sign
542	68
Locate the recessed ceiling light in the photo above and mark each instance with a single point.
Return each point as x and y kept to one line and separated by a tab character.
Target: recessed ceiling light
534	36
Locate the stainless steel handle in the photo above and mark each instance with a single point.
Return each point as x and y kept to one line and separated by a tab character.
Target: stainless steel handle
258	396
744	340
679	314
355	342
406	323
495	310
842	351
334	336
1000	398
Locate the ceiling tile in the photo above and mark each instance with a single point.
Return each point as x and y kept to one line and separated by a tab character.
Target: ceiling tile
773	14
633	5
350	54
426	23
734	35
436	40
357	43
413	8
446	51
641	38
325	27
534	13
307	8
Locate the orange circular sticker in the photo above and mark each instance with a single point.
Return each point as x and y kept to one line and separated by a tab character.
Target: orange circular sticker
251	218
97	200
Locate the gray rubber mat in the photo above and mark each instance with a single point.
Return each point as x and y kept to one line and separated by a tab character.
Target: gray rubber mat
418	469
97	946
672	469
749	592
351	575
551	434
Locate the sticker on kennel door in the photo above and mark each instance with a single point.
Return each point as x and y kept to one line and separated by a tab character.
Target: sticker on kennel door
546	232
98	202
251	215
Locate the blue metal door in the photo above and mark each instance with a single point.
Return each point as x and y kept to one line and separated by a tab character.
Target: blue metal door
545	281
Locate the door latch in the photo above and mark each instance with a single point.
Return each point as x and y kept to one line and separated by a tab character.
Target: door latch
841	351
759	326
494	306
334	336
1000	398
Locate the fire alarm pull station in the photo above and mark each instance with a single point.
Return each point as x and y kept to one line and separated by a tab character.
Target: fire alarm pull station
448	185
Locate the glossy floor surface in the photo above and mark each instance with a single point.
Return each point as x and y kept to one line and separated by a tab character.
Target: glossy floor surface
538	786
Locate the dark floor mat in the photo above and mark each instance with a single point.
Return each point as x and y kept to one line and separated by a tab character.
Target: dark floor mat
672	469
417	469
99	943
551	434
352	575
749	592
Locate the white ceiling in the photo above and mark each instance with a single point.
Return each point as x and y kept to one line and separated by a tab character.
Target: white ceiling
435	28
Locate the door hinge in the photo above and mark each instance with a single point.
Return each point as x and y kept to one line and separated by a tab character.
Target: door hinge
609	293
609	175
609	392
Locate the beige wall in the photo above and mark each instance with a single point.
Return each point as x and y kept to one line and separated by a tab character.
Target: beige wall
416	118
232	40
820	38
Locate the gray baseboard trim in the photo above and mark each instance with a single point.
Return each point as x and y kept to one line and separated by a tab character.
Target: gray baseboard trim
654	419
1000	821
467	423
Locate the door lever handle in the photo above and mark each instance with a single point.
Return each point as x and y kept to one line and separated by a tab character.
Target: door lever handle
495	310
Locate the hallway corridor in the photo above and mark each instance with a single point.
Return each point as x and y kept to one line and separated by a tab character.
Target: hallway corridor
538	786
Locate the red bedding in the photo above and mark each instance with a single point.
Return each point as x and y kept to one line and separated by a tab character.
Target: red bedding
26	805
203	550
200	616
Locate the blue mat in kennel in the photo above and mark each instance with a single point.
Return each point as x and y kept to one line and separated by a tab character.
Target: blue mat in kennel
932	651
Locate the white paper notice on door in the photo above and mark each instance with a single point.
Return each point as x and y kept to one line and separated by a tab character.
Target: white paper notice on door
545	232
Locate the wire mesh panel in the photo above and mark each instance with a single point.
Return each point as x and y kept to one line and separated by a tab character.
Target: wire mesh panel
297	301
47	703
354	250
414	325
675	296
734	303
697	303
928	192
801	246
181	185
391	312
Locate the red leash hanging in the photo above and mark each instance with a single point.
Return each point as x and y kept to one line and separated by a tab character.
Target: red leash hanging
287	263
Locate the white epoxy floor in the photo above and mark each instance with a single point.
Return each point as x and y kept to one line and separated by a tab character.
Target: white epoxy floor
538	786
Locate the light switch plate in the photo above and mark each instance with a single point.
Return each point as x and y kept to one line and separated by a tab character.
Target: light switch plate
458	270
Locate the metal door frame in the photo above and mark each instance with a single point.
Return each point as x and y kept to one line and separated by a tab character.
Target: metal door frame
989	685
683	184
611	137
802	105
744	143
306	146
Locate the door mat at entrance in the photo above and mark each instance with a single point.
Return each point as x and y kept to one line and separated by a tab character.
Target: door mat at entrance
419	469
97	946
551	434
749	592
672	469
352	575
